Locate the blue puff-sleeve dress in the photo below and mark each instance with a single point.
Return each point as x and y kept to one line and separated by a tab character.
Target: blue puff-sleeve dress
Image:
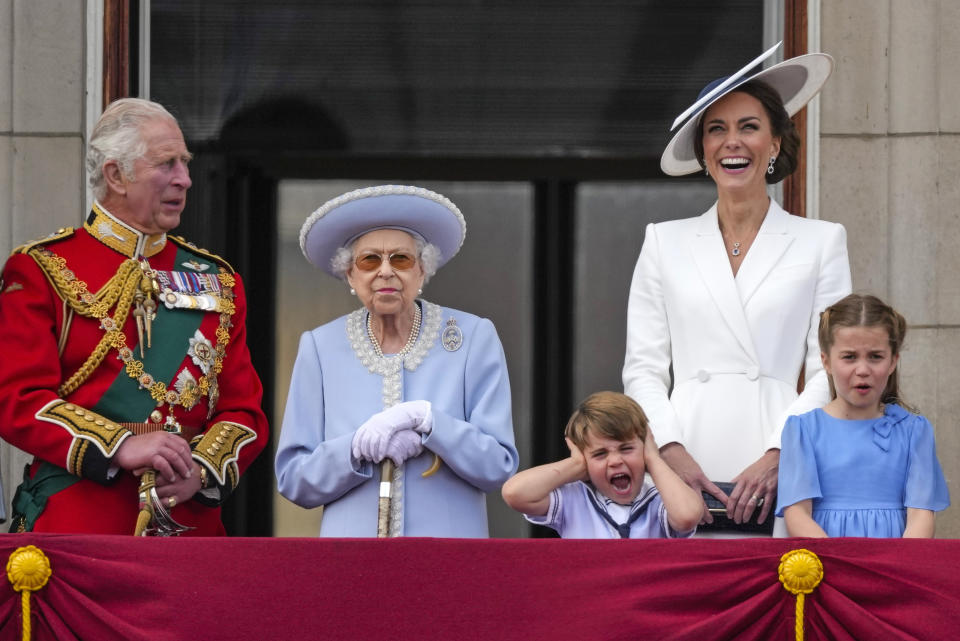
861	474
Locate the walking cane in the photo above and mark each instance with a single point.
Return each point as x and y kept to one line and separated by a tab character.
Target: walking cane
386	492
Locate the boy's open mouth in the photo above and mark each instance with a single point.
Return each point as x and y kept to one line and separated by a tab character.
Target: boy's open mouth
620	482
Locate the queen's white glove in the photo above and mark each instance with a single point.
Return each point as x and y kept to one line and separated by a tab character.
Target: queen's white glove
403	445
372	438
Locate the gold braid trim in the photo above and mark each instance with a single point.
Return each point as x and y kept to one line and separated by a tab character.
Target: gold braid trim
180	241
118	291
63	232
220	448
83	425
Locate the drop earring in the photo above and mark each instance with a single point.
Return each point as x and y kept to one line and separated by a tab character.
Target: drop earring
773	159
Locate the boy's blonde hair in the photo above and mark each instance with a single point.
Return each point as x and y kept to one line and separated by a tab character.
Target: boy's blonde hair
609	414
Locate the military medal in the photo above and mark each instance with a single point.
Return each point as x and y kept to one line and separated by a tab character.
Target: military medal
188	290
196	266
201	351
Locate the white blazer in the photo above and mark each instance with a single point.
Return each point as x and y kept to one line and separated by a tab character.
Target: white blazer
736	344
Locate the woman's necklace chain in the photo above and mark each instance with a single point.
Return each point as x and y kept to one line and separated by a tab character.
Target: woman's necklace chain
736	251
414	333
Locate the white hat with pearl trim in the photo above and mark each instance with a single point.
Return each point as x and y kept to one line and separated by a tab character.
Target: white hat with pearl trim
796	80
423	213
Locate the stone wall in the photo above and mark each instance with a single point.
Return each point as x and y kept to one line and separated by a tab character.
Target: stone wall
890	160
42	115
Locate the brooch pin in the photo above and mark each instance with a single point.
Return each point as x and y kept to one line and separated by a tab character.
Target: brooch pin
452	337
195	266
186	386
201	351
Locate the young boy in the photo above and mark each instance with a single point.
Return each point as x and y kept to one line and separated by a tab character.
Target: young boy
599	491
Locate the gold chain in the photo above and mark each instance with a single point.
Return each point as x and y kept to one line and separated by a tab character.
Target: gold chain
120	290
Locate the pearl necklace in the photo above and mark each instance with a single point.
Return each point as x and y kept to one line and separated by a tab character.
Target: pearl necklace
414	333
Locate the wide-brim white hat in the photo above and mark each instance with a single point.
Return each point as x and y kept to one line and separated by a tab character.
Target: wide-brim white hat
797	80
421	212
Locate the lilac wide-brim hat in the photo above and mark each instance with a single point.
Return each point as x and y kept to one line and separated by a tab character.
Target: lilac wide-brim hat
421	212
797	80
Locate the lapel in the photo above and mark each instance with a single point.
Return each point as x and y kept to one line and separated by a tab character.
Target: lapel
772	241
714	267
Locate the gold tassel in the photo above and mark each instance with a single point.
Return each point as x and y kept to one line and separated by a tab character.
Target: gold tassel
28	569
800	573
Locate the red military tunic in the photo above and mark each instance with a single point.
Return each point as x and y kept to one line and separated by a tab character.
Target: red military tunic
64	409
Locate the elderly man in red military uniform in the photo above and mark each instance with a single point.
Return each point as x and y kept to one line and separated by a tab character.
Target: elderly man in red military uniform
125	368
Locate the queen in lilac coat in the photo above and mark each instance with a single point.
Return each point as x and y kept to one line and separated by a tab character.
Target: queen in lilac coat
344	389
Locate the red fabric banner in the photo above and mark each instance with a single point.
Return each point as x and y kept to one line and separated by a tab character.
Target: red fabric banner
118	587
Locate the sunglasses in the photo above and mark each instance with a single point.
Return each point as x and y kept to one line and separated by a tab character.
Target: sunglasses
399	261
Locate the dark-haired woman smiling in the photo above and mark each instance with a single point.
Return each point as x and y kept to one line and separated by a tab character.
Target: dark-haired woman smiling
730	299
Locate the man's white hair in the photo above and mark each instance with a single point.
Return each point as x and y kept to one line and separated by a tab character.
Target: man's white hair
117	136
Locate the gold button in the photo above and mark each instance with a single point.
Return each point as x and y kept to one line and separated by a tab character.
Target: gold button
210	451
68	406
220	440
88	417
99	422
79	411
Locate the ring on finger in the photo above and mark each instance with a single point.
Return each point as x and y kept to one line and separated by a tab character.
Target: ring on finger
755	499
171	501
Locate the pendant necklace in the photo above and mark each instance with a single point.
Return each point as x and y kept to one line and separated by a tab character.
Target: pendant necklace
736	249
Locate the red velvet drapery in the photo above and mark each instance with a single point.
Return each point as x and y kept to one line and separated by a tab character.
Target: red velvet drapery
112	587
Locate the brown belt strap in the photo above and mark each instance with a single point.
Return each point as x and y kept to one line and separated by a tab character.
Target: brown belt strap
145	428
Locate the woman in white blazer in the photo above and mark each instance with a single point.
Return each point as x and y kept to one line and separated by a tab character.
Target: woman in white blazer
730	300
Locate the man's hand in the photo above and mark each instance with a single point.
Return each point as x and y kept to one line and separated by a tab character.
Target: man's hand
182	489
164	452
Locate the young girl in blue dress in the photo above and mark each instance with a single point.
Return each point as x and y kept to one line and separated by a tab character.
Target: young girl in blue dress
864	464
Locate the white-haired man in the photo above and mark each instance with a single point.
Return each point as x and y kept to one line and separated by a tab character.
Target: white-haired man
125	352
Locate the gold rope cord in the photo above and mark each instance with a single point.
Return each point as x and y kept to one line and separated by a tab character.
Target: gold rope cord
800	573
118	291
28	569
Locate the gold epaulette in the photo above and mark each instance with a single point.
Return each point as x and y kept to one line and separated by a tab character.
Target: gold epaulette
60	234
180	241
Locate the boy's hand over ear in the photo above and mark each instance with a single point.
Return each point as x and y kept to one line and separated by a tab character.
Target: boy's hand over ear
576	456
